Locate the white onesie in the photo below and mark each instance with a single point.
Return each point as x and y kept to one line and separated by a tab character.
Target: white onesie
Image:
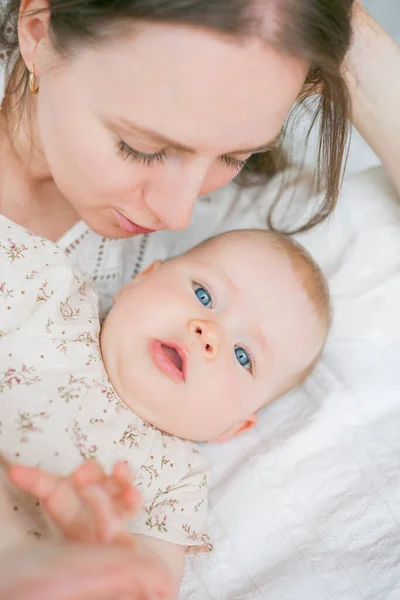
57	406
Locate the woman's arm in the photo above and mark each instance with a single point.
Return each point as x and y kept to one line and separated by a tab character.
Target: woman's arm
372	72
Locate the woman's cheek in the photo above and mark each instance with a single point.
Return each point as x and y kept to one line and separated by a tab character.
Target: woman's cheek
218	176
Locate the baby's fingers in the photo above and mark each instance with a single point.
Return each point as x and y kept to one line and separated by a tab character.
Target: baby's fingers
58	496
34	481
128	497
89	472
123	473
131	502
110	525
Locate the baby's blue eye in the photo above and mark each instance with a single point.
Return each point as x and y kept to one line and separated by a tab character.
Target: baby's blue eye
203	295
243	357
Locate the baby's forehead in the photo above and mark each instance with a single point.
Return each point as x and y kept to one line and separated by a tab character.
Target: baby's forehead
250	242
248	253
251	268
269	265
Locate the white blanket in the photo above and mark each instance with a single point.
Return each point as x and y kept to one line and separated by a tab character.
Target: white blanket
307	506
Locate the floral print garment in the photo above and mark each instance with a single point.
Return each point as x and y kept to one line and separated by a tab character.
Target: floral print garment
57	406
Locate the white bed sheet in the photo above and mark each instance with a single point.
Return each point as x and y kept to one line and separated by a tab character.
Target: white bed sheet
308	504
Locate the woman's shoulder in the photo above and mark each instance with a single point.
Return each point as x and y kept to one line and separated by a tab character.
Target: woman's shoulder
37	278
19	247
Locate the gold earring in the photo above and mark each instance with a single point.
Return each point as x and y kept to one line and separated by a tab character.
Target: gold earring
33	84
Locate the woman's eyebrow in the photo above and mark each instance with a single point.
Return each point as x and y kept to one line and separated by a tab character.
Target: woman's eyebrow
263	148
130	125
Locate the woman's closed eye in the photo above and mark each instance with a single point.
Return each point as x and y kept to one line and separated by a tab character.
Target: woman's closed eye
148	159
234	163
128	153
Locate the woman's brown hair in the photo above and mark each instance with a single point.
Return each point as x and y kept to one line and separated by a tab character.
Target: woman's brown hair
318	31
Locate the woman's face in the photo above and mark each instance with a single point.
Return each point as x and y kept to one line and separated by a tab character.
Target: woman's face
134	131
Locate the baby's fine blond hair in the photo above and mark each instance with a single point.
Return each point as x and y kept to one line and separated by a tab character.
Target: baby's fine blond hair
313	282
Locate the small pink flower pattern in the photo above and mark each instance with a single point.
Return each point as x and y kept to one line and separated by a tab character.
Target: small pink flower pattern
22	376
5	292
72	390
13	250
27	423
44	293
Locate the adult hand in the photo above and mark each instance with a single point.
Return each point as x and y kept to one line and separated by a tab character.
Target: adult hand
371	70
81	572
358	4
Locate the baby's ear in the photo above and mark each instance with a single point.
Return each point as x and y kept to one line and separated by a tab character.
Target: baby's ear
154	265
236	429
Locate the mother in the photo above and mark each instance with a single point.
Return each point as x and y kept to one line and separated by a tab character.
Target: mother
118	115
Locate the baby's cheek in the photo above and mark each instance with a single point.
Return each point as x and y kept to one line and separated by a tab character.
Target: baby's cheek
227	392
240	394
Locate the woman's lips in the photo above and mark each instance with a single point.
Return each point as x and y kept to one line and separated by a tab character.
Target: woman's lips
128	226
160	352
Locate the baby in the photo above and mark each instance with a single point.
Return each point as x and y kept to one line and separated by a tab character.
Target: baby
191	351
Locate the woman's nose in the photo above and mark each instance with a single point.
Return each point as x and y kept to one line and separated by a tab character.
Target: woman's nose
172	198
209	335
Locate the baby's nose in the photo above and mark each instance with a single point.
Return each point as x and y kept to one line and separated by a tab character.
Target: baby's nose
208	333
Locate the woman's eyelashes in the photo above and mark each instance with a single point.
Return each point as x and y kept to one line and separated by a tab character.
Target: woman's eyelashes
242	355
128	153
234	163
148	159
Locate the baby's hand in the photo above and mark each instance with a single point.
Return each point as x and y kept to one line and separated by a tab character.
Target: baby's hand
88	506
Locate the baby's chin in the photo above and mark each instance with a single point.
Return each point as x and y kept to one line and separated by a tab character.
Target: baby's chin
187	429
159	406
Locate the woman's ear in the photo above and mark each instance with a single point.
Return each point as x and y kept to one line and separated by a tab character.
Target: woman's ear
33	28
236	429
154	265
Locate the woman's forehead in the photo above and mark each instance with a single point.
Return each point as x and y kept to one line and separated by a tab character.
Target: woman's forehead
196	86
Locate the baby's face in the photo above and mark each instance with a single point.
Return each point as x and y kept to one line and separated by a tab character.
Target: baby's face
199	344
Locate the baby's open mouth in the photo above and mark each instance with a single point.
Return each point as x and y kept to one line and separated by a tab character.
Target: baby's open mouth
170	358
173	356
